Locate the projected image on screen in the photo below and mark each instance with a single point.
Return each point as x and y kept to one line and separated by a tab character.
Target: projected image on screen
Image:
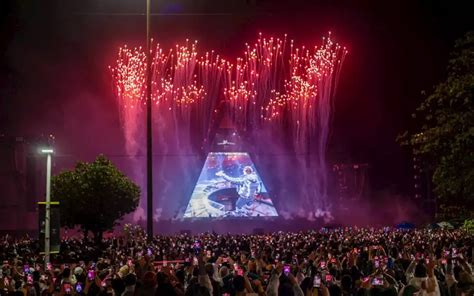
229	186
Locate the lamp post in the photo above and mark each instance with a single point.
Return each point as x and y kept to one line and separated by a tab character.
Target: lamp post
47	226
149	144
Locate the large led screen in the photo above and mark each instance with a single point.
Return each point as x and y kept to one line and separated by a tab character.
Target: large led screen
229	186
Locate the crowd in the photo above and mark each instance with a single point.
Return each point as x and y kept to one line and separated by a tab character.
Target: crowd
344	261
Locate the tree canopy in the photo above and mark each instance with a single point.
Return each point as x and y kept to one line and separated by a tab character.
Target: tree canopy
94	196
446	136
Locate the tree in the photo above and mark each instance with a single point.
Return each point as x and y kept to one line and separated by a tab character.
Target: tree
94	196
446	137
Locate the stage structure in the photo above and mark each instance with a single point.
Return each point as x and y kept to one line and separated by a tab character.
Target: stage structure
225	178
279	97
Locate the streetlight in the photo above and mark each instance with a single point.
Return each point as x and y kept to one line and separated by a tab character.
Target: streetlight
47	226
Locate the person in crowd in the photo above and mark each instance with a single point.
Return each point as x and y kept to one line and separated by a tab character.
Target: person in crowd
329	262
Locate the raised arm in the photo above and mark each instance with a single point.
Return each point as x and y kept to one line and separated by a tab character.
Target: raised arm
410	270
229	178
203	278
274	282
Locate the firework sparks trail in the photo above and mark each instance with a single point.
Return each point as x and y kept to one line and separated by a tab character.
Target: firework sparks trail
272	86
129	82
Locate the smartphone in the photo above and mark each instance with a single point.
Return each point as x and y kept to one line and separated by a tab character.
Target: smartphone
286	269
197	247
455	253
49	266
427	261
148	252
390	263
67	288
323	264
26	268
317	281
377	281
91	274
377	263
29	279
79	287
328	278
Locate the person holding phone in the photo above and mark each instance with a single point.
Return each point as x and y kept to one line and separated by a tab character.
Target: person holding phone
422	277
283	285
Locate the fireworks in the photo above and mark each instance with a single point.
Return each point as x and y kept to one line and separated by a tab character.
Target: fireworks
129	76
307	91
275	85
271	82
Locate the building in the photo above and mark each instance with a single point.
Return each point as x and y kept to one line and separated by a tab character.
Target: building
351	181
423	186
423	183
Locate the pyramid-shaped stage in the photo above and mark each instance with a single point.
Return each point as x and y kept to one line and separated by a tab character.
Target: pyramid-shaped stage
229	184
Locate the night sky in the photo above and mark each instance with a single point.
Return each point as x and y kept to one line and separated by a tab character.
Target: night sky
54	57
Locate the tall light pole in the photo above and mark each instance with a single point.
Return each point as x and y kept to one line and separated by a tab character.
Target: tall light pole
47	224
149	144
